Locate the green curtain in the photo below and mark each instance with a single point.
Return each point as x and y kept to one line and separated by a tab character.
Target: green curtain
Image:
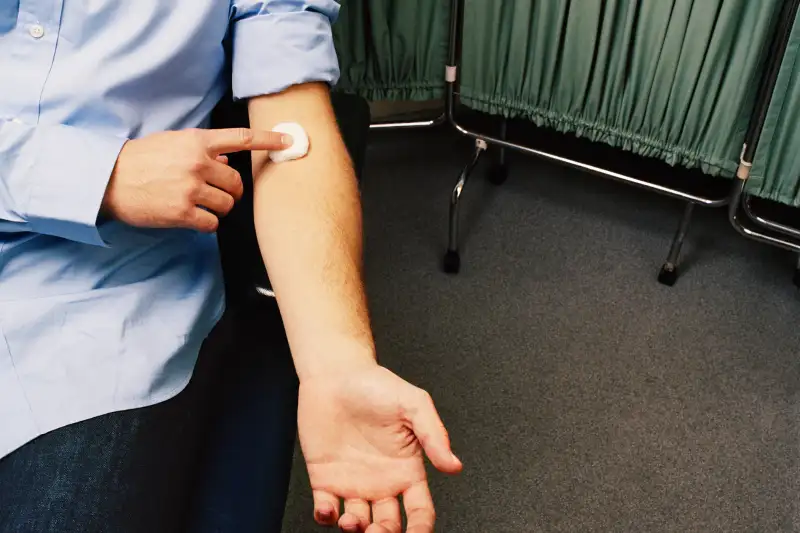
393	49
776	167
671	79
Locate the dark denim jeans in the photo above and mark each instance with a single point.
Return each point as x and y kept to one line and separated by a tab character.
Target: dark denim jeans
216	458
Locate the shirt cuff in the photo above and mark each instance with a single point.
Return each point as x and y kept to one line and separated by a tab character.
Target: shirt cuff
69	177
275	51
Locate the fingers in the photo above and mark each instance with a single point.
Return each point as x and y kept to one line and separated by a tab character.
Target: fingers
419	508
432	434
222	159
356	517
201	220
326	508
225	141
214	199
386	514
224	177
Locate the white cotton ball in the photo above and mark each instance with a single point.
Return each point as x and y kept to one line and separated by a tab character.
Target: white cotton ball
299	147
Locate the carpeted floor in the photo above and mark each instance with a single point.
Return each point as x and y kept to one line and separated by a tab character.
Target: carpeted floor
582	395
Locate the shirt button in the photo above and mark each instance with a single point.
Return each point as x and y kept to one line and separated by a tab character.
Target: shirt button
36	31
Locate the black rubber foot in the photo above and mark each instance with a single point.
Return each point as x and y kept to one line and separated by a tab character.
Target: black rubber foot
796	279
668	275
497	174
452	262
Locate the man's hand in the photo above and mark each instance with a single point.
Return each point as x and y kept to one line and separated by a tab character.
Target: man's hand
363	433
181	178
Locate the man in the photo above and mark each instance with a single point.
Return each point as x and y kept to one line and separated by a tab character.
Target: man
110	191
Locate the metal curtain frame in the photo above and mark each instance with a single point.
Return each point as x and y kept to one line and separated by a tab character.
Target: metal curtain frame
669	272
740	211
739	202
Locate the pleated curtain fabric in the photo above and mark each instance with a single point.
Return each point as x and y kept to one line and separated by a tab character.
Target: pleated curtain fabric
393	49
776	167
670	79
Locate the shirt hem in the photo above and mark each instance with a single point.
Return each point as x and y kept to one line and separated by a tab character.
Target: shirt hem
15	444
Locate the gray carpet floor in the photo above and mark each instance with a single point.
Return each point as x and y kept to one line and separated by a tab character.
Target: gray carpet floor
582	395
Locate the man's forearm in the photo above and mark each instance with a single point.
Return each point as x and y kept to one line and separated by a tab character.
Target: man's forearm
308	223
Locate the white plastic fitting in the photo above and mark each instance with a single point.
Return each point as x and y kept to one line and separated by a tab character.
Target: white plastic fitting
299	147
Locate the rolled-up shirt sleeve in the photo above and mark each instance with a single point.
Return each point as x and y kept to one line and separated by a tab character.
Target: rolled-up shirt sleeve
280	43
53	179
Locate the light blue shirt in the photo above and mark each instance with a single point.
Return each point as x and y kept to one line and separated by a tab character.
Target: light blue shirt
96	318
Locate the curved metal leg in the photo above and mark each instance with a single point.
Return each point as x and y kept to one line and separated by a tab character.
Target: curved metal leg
669	272
779	240
452	259
747	208
764	222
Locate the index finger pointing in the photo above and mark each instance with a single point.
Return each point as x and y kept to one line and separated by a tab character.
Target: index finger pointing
225	141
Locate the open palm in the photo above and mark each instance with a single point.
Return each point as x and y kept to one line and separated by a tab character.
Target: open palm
363	435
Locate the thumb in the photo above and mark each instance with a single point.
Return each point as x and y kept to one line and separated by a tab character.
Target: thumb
431	433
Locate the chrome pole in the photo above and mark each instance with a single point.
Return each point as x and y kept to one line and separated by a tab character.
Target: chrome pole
452	259
669	272
662	189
